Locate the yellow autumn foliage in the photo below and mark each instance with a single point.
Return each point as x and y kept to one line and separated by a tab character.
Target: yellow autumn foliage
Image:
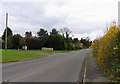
107	52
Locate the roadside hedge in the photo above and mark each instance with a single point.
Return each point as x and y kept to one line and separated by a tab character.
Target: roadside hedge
107	53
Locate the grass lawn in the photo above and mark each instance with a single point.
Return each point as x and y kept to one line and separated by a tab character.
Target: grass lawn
18	55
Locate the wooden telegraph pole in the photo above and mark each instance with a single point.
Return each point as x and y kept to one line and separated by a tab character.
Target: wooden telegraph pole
6	31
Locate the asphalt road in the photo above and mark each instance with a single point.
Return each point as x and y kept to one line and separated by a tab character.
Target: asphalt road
57	67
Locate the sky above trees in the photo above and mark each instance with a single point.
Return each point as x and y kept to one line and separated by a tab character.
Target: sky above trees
83	17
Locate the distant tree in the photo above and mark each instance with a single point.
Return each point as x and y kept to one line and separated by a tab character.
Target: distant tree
54	31
9	38
65	32
43	35
18	41
68	40
9	43
28	34
1	43
76	43
33	43
69	43
9	33
86	43
56	41
75	40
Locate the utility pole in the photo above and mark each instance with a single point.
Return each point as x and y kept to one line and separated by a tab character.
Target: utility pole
6	31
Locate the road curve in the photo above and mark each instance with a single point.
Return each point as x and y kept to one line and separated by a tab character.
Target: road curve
57	67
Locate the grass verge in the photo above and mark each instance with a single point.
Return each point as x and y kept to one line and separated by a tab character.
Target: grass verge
18	55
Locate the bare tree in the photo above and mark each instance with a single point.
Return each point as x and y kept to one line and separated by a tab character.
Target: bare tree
65	32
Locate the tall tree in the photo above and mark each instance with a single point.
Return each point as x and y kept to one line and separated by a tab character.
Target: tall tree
9	37
1	43
54	31
9	33
56	41
28	34
85	41
43	35
76	43
75	40
66	32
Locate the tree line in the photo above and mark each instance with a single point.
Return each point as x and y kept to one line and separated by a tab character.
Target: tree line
58	40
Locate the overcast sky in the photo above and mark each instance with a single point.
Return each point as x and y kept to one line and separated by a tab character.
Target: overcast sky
85	18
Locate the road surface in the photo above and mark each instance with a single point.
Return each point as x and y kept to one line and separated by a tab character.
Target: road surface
57	67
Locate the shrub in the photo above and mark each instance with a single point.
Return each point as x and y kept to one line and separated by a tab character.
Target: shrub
107	52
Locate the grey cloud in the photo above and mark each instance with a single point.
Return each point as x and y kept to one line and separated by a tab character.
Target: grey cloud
31	13
22	14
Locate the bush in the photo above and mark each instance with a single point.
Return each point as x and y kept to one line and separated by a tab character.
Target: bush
17	41
107	52
33	43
